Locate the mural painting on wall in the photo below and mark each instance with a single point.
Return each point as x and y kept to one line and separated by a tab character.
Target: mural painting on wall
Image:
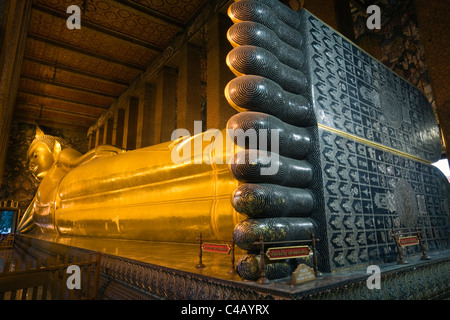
397	43
18	182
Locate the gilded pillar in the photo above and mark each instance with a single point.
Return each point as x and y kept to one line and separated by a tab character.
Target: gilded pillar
218	111
96	137
140	116
91	141
147	107
189	88
165	113
117	137
99	136
109	126
132	121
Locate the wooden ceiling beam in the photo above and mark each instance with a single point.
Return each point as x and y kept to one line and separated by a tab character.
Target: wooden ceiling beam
24	98
68	86
86	52
45	95
38	115
93	76
51	123
55	110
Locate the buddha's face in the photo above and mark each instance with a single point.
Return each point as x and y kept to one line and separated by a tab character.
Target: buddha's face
40	160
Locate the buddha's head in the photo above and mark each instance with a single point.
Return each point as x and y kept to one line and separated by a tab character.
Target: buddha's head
42	151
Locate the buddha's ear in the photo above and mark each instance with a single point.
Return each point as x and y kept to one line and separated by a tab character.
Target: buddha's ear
56	150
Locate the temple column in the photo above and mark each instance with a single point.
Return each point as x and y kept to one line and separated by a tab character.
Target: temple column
189	88
119	120
131	120
218	111
109	126
166	108
96	138
147	109
91	141
15	17
139	119
99	136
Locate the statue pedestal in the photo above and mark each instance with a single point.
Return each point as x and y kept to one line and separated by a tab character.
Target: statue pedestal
132	270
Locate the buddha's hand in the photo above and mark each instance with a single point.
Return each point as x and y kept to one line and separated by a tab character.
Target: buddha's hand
106	150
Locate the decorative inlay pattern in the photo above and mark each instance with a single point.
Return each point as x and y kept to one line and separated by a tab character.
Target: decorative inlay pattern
368	192
373	135
358	95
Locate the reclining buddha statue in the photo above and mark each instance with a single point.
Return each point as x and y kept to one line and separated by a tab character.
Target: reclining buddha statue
140	194
351	160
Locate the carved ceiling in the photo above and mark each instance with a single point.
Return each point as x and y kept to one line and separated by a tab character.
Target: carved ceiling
70	77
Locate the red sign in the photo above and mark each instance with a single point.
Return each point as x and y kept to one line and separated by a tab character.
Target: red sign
216	247
288	252
408	241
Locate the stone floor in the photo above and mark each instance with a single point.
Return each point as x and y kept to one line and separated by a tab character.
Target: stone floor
185	257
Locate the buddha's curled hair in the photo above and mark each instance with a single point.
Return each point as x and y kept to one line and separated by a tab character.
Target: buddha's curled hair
48	140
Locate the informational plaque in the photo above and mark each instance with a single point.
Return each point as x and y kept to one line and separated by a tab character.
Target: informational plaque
303	274
288	252
216	247
408	241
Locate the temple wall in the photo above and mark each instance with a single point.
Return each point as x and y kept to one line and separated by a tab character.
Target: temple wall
13	27
433	21
17	182
398	44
